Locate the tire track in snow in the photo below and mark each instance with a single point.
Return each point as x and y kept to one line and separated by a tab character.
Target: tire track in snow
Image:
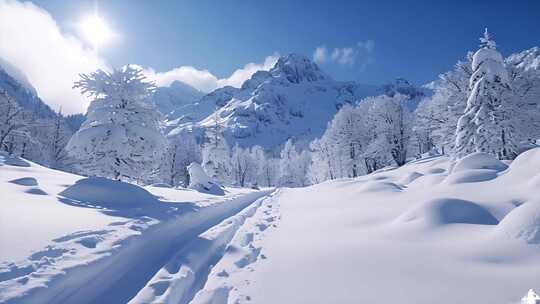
123	271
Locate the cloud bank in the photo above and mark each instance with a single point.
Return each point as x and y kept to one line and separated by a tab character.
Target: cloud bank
204	80
360	54
31	41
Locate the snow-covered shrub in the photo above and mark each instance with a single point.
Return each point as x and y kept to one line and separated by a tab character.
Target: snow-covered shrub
200	181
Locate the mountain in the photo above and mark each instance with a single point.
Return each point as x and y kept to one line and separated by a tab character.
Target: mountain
294	99
17	85
404	87
174	97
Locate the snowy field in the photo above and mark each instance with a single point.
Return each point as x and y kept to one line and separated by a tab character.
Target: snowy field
98	242
422	233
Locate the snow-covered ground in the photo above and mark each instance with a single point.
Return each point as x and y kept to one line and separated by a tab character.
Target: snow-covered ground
416	234
428	232
64	239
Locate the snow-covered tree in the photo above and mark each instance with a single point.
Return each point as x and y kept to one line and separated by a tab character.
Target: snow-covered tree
12	121
393	126
436	116
338	153
182	150
293	166
59	135
121	136
487	124
524	74
216	154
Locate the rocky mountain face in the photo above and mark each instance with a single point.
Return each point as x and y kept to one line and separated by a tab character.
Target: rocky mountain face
295	99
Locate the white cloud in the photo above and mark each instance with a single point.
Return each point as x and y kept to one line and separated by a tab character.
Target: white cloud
361	54
345	56
204	80
320	55
238	77
31	40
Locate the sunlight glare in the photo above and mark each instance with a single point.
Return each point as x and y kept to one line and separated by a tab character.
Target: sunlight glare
95	30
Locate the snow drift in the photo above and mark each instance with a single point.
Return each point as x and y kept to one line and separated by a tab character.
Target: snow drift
108	193
200	181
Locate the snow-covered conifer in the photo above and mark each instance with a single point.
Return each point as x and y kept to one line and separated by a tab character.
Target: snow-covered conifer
487	125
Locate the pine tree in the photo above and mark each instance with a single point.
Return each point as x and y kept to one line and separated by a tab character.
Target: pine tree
121	136
486	126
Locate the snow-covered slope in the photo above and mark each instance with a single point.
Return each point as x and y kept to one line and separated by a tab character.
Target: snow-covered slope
294	99
419	234
432	231
69	239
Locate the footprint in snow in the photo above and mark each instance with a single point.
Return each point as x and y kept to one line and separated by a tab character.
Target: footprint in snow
50	252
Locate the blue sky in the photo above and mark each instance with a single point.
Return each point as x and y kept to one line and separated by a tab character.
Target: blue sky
205	43
412	39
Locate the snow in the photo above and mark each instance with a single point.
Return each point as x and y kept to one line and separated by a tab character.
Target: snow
294	99
406	229
82	238
353	240
479	160
107	193
201	182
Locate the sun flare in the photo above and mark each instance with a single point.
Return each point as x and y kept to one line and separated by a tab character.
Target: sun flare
95	30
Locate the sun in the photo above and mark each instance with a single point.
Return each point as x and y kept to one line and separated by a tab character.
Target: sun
95	30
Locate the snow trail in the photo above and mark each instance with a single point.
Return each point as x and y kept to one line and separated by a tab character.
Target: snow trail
130	263
183	275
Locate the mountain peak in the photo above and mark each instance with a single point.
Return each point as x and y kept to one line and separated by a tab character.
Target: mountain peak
297	68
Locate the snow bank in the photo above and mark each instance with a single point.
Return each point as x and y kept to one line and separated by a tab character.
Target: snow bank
108	193
527	164
479	160
200	181
523	223
471	176
444	211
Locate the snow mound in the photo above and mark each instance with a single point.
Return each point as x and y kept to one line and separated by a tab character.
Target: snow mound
444	211
527	163
523	223
25	181
471	176
10	160
479	160
200	181
411	177
379	186
108	193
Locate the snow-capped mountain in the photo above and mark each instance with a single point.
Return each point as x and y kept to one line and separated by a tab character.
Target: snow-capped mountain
293	99
13	82
404	87
174	97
